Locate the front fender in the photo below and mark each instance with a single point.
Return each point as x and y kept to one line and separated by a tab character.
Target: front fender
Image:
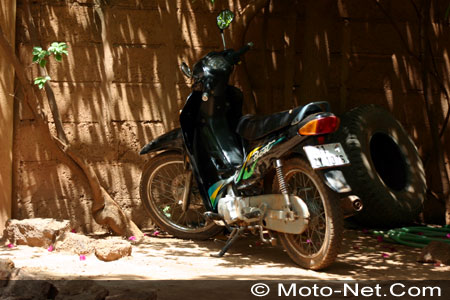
170	140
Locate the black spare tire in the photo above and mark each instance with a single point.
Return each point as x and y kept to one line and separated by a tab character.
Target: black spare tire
386	171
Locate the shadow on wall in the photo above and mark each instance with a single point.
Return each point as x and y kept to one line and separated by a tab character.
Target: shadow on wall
120	86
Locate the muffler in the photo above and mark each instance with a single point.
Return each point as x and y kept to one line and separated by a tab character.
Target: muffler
351	205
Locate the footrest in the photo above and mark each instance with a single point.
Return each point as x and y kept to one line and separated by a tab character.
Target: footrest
209	215
253	215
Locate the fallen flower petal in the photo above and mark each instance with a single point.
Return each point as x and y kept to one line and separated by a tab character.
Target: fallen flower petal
145	234
156	233
82	257
308	241
50	249
73	231
132	238
379	238
448	235
10	246
384	255
437	264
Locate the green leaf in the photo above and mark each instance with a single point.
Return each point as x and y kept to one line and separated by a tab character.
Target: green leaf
42	63
36	50
35	58
58	57
40	81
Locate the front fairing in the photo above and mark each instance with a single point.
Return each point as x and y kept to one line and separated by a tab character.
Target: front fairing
209	135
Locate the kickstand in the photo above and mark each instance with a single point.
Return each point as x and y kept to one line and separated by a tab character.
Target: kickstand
233	237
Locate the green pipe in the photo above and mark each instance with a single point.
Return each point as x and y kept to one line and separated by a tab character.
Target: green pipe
409	235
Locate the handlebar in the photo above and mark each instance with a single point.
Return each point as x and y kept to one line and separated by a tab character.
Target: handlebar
234	57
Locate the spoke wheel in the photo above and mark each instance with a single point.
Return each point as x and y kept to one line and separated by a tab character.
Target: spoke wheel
317	247
163	184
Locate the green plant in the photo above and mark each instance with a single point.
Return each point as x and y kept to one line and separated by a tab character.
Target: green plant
39	57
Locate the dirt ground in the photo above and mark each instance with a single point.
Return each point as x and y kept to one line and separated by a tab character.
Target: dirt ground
363	257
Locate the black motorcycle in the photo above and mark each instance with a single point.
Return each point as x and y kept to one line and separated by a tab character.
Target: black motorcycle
276	176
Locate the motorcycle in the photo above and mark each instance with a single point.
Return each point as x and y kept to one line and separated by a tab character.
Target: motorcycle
276	176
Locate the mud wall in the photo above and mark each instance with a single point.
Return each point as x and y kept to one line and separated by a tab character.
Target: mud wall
121	86
7	20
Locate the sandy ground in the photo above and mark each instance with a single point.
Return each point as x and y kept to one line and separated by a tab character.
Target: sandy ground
162	258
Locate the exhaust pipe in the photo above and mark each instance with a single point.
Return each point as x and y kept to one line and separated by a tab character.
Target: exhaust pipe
351	205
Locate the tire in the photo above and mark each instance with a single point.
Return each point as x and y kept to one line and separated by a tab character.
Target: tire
386	171
319	245
161	190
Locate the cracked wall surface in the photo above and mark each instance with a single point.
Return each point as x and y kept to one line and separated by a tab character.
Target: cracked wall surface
121	87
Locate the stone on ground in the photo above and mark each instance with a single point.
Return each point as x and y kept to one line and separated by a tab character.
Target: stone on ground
113	249
35	232
80	290
75	243
6	268
436	252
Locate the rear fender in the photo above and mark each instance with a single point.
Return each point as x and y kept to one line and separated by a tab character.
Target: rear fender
172	140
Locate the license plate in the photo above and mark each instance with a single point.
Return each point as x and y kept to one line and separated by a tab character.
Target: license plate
326	156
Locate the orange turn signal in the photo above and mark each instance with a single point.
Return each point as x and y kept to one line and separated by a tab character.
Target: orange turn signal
320	126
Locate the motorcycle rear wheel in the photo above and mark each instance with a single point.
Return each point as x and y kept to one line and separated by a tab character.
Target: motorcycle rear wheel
318	246
161	189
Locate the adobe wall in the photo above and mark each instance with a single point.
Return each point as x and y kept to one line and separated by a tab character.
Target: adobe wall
129	81
7	21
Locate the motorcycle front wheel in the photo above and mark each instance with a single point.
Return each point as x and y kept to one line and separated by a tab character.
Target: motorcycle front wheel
164	183
318	246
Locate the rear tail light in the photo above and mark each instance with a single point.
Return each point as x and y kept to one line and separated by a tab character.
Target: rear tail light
320	126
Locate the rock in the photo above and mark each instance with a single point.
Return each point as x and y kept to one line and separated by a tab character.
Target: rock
6	268
109	250
75	243
134	295
25	286
80	290
436	252
35	232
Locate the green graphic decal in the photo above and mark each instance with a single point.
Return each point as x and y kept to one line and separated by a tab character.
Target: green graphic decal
248	168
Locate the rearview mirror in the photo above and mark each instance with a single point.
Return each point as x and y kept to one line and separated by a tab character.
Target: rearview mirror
186	70
224	19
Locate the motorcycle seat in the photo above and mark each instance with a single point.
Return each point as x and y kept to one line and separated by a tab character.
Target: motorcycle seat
252	127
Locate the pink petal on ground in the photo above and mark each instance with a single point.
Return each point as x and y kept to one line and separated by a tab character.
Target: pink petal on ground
10	246
50	249
156	233
145	234
437	264
73	231
132	238
448	235
379	238
385	255
308	241
82	257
